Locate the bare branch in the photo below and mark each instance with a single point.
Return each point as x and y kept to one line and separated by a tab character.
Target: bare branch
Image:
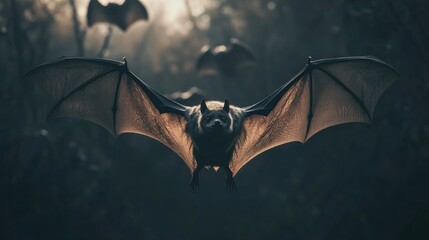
106	43
78	32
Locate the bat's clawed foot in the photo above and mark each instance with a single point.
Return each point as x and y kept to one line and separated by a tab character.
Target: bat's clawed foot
195	184
230	184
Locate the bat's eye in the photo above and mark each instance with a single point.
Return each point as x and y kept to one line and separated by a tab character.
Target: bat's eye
223	118
208	118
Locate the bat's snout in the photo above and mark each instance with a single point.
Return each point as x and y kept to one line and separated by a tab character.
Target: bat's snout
217	123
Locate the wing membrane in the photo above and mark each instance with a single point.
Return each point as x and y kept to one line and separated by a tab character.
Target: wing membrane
325	93
106	93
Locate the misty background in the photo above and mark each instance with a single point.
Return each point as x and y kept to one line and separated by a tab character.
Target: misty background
72	180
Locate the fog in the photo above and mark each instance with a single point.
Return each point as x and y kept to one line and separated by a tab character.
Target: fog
70	179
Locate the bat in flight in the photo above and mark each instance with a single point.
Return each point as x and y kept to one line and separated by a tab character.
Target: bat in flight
224	59
122	16
213	134
189	97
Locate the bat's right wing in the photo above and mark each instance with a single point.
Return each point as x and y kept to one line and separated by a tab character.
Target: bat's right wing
325	93
96	13
107	93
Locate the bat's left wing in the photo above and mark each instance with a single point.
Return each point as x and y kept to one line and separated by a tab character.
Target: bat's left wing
107	93
240	53
206	62
133	11
324	93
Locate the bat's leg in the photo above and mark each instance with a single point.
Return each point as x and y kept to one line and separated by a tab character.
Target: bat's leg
230	183
195	183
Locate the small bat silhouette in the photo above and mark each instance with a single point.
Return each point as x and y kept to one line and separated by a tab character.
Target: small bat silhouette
122	16
214	134
189	97
223	59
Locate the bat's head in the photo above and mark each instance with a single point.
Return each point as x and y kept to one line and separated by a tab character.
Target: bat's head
215	117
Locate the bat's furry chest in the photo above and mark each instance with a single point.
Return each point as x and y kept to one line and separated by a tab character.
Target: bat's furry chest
213	150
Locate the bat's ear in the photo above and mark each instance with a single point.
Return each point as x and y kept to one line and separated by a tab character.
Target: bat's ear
203	107
226	106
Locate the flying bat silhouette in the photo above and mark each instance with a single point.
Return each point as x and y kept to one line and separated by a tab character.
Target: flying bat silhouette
224	59
189	97
122	16
214	134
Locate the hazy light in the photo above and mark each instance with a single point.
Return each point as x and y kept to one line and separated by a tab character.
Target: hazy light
204	22
82	8
197	8
221	48
105	2
271	6
44	132
168	20
175	17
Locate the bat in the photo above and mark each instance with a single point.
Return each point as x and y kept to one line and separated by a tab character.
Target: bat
223	59
122	16
214	134
189	97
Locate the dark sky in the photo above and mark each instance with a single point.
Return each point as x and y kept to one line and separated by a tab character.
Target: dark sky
71	179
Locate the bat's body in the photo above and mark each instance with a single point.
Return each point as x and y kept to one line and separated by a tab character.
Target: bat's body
224	59
324	93
121	15
214	128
